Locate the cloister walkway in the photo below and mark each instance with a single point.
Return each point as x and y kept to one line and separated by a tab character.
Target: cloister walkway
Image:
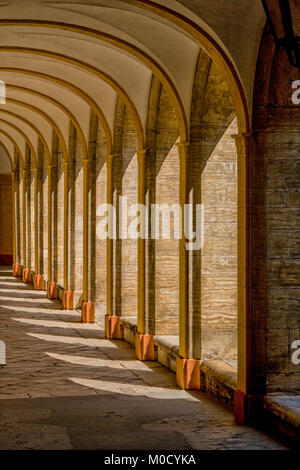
66	387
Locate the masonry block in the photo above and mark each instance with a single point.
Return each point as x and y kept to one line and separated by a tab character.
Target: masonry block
188	374
248	409
68	299
112	327
88	312
38	282
26	275
17	270
52	291
144	347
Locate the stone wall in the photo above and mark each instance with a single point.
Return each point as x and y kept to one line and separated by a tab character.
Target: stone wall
275	189
213	182
166	170
125	184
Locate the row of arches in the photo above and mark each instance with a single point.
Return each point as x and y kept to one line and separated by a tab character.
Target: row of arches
52	190
103	106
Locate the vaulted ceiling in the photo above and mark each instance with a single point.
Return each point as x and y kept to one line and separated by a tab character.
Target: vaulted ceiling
62	59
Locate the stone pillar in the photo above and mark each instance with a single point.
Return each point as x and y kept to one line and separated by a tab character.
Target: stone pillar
38	279
26	270
249	396
52	292
24	217
67	295
187	368
112	322
15	266
144	343
87	307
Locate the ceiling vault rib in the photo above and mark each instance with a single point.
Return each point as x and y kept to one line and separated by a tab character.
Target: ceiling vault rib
59	105
126	46
76	90
48	119
28	123
9	155
27	140
15	145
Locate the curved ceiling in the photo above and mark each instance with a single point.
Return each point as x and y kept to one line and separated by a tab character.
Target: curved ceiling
61	60
5	156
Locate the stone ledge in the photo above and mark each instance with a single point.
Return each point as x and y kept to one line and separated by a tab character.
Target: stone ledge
219	380
285	407
218	377
167	350
128	329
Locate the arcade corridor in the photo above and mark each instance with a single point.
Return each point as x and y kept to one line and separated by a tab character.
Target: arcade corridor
66	387
149	224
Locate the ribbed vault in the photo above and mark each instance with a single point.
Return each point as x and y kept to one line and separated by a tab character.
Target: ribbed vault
102	49
108	98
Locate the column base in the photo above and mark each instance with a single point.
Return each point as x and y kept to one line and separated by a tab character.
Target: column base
26	275
52	291
38	282
112	327
248	409
17	270
88	312
68	299
144	347
188	374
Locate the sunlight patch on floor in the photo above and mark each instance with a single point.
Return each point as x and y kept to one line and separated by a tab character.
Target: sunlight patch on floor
92	342
95	362
59	324
134	389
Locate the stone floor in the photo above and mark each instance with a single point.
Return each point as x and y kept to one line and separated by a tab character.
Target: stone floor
66	387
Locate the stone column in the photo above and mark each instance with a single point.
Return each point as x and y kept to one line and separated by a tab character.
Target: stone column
87	307
24	217
16	262
249	396
187	368
13	222
52	291
112	322
26	267
67	295
38	280
18	229
144	343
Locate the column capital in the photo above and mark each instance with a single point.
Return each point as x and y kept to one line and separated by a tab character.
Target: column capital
242	134
242	141
183	145
109	158
141	153
183	148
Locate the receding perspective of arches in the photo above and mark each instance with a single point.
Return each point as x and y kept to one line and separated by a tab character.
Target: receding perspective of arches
6	239
149	221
